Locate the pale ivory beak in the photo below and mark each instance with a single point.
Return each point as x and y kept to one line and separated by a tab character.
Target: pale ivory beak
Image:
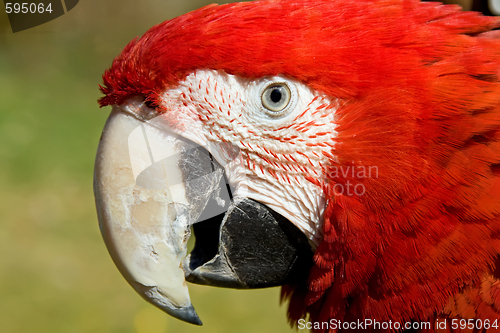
144	206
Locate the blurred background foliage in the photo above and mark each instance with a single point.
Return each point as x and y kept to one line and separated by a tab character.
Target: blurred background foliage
55	272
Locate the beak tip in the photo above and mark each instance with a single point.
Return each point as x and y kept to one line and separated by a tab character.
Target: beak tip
187	314
156	297
193	316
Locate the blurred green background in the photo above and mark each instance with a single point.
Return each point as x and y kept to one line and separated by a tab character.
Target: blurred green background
55	272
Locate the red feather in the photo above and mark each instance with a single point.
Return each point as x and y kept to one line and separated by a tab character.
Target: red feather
419	89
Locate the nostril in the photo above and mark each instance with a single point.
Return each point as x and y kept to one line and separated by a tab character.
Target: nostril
150	103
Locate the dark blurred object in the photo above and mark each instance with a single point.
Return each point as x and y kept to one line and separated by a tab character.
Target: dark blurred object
26	15
487	7
493	6
465	4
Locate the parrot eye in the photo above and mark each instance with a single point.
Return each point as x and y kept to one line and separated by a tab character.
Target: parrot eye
276	97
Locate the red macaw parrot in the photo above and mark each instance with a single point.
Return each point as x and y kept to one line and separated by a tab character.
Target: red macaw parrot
348	150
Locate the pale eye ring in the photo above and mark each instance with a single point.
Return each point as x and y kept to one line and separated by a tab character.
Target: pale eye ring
276	97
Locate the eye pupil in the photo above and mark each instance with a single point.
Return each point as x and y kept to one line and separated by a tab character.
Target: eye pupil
276	95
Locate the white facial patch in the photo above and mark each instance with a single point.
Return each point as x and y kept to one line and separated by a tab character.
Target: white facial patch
278	154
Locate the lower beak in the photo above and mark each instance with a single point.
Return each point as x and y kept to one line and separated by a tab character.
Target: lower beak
152	187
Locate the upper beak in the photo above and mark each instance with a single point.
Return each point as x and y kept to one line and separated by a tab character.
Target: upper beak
152	186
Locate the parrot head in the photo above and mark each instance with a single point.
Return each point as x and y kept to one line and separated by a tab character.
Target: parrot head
347	150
